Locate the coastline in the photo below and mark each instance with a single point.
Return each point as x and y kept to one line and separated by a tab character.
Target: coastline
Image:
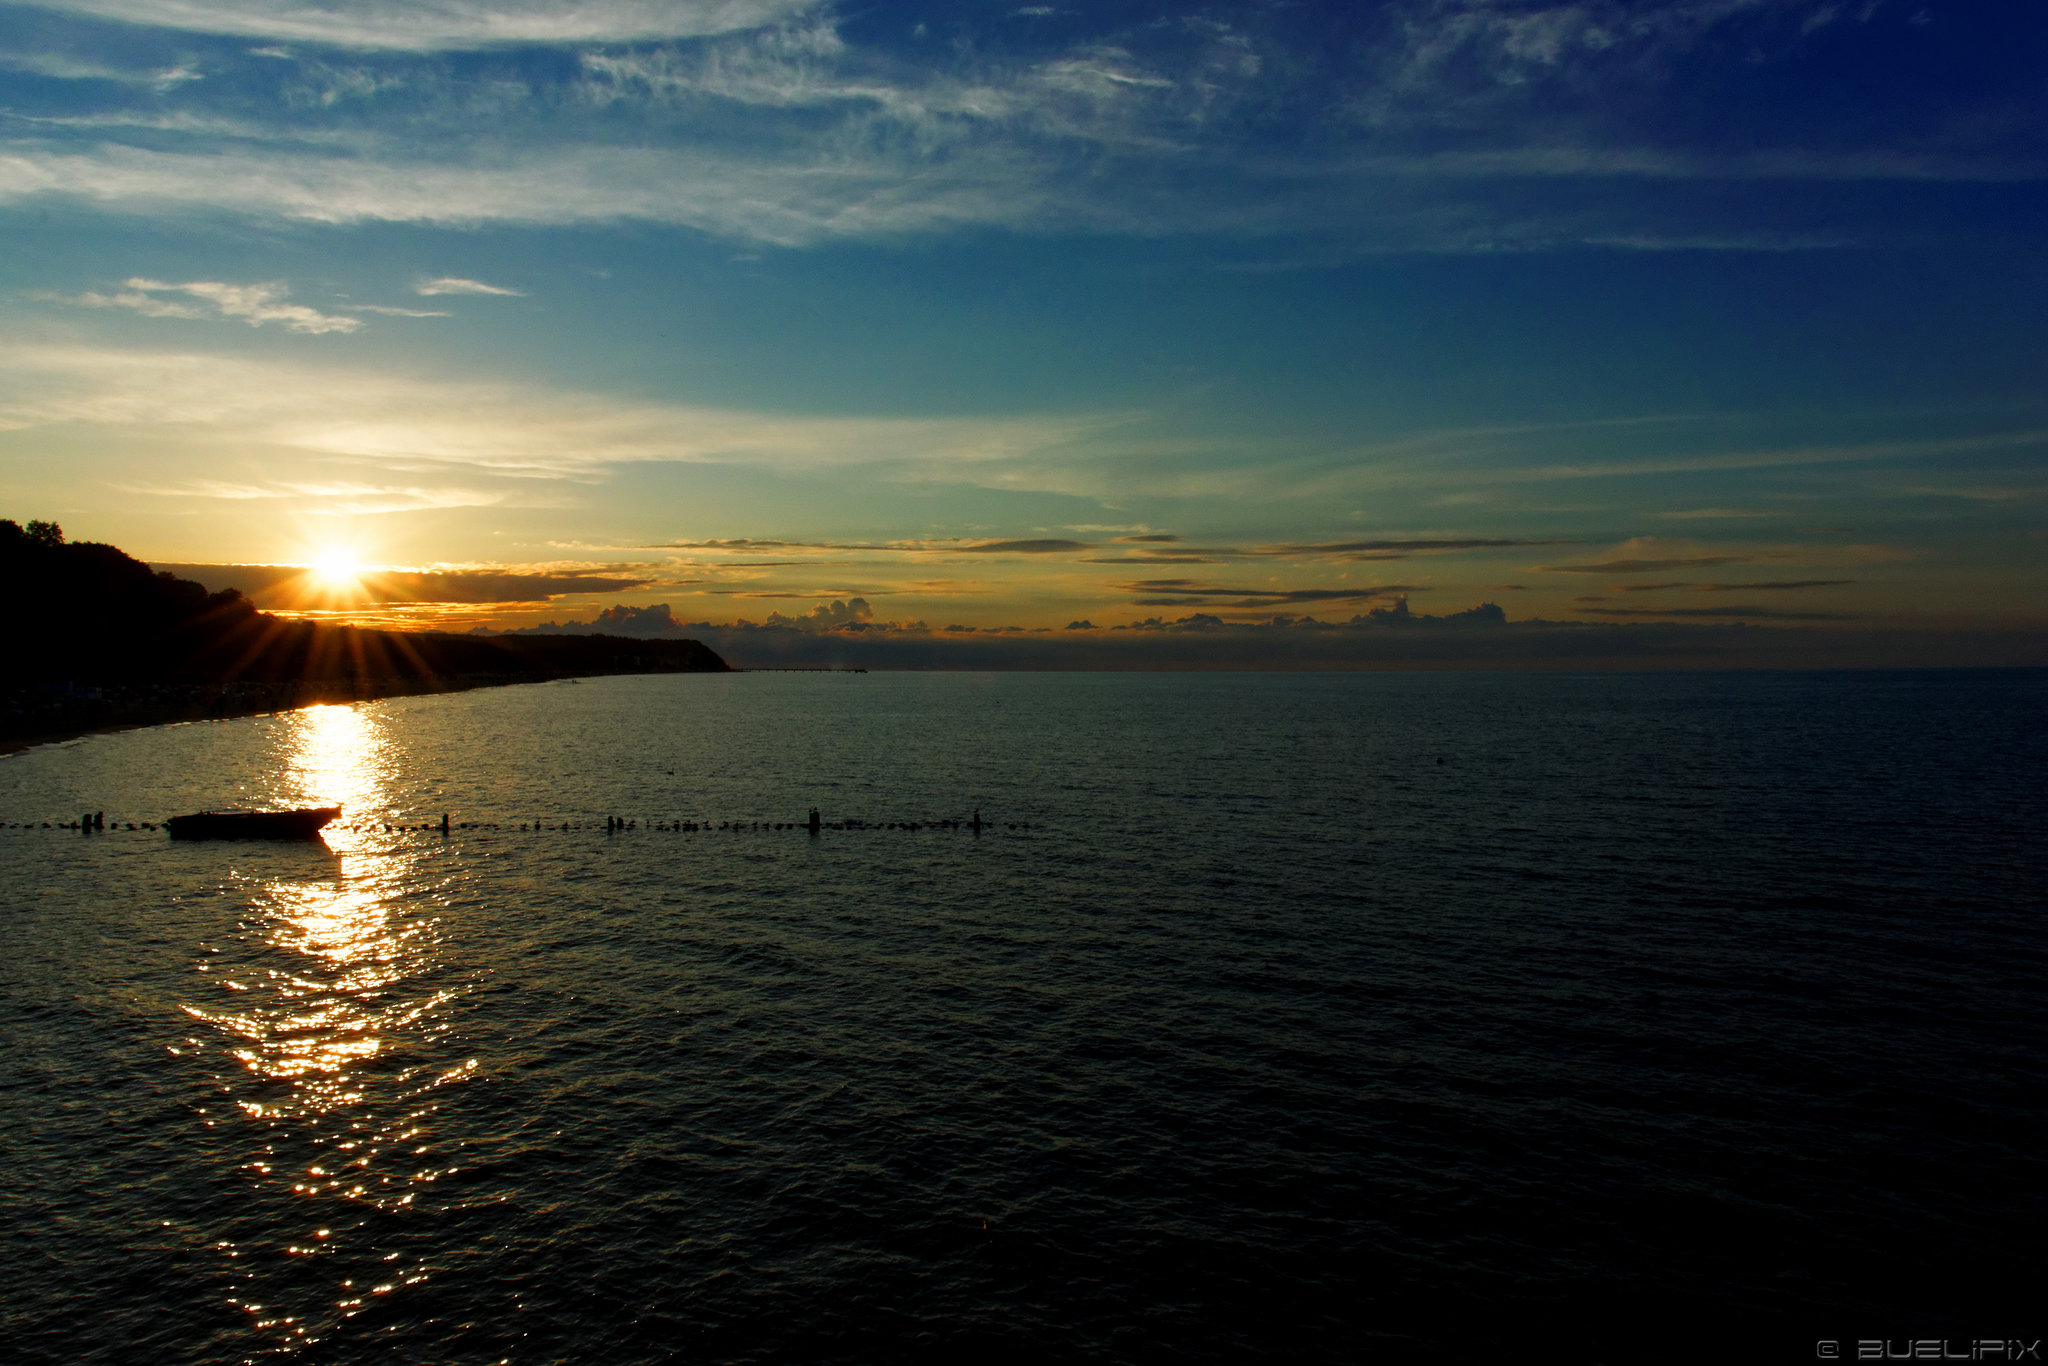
110	709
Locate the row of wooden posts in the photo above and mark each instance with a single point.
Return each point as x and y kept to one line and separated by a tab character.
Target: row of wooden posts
92	822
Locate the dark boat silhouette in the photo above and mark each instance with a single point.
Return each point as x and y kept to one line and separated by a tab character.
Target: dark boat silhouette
303	824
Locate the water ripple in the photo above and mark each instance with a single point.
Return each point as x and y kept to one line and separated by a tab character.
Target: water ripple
1244	1027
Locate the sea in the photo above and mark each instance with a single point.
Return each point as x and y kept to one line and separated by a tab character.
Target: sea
1105	1017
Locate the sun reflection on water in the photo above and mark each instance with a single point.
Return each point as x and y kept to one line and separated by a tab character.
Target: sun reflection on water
332	995
339	755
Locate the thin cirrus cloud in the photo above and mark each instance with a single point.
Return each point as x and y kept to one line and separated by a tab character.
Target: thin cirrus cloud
510	430
64	66
252	304
334	498
784	203
449	284
428	25
797	196
1652	555
771	125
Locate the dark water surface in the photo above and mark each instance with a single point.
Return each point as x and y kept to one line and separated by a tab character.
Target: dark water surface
1662	1011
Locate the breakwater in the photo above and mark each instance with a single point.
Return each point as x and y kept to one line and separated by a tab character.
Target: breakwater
98	823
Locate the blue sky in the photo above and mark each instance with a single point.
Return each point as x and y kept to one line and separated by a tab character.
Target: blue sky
1686	312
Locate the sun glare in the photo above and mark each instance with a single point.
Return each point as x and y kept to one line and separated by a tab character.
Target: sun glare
336	568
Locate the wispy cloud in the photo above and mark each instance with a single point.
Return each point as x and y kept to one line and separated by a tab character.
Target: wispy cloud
65	66
514	430
1873	452
252	304
1652	555
449	284
332	497
799	196
789	203
1978	493
425	25
772	125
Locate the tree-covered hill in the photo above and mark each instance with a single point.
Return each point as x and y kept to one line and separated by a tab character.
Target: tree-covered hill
103	640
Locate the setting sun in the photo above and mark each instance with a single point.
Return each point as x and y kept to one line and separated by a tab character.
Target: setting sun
336	568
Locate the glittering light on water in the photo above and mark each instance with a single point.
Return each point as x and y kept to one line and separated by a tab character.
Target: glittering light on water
339	755
328	996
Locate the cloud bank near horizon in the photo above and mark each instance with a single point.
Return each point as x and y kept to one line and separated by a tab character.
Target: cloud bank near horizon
844	635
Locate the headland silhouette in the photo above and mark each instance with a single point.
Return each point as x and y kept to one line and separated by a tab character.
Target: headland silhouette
104	642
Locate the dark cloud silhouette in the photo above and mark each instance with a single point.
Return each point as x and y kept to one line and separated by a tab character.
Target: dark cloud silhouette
746	544
1187	592
1048	547
1744	613
289	587
644	623
837	615
1387	639
482	587
1779	585
1394	549
1173	551
842	632
1171	547
660	621
1648	566
1396	615
1182	558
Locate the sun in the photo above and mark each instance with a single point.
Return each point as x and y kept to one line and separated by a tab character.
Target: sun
336	567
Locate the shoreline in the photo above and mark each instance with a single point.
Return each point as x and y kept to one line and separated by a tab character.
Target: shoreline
143	706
